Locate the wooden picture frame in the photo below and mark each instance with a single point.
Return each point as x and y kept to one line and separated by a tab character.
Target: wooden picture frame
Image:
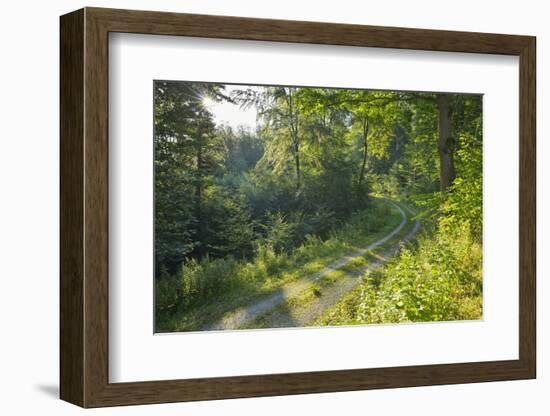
84	207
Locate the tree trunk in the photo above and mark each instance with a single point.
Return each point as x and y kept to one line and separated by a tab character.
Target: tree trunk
198	197
365	148
446	144
297	160
293	129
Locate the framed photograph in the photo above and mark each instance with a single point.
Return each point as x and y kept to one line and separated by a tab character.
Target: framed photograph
255	207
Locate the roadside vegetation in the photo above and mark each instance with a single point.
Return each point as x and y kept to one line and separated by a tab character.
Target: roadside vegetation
184	298
241	212
437	278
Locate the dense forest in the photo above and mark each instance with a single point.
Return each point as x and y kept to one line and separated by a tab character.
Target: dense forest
251	213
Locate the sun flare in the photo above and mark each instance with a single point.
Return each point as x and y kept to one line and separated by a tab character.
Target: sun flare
208	102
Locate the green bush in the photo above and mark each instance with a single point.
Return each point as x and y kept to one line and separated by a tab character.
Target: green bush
206	279
438	280
384	184
200	284
464	205
280	233
167	291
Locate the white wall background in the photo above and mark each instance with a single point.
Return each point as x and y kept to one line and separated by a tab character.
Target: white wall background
29	206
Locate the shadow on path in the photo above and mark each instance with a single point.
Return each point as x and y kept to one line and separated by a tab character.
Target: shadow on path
248	313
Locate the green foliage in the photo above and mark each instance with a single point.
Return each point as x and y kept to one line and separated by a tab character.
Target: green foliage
186	157
463	207
228	228
167	291
206	280
223	283
238	212
242	150
279	233
439	280
387	185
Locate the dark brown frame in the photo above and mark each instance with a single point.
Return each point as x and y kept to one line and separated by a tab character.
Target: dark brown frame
84	208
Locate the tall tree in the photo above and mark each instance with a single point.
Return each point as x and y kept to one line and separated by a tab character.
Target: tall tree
293	122
186	156
365	128
279	108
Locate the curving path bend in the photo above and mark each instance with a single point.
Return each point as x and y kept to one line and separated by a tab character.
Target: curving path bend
242	316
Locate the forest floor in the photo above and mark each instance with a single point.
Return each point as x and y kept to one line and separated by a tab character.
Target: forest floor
301	302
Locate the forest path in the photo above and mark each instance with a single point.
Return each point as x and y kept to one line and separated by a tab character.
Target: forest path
296	313
274	307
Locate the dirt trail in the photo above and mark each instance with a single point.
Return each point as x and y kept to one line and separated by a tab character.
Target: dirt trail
331	295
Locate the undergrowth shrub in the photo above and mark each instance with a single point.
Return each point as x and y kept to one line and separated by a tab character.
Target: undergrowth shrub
198	283
438	280
206	279
167	291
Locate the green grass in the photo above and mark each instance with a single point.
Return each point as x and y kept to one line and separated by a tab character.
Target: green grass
438	279
309	296
208	290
